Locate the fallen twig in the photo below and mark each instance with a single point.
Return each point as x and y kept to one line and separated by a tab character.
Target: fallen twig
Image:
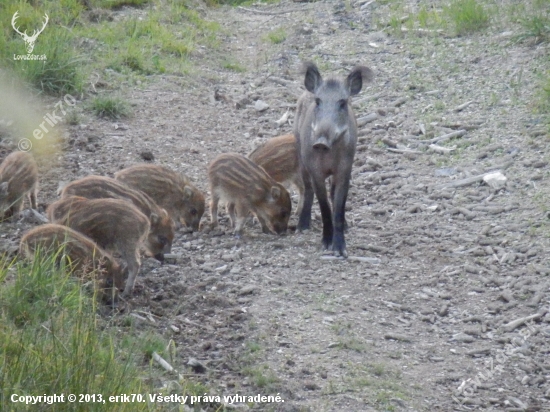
458	133
272	13
162	362
510	326
441	149
462	182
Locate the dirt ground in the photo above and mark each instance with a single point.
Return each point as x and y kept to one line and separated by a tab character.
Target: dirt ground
419	318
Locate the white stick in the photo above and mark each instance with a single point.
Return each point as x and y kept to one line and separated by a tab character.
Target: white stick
162	362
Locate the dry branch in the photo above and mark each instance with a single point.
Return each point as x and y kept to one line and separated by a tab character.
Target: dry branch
441	149
462	106
510	326
445	137
462	182
273	13
403	151
162	362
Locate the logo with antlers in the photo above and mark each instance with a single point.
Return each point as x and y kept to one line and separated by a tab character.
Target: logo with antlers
29	40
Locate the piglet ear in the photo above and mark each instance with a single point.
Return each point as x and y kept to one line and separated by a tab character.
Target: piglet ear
313	78
355	79
4	187
154	219
276	192
187	192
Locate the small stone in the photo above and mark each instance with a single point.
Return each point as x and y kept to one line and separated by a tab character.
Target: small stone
311	386
196	366
247	290
496	180
148	156
261	106
242	102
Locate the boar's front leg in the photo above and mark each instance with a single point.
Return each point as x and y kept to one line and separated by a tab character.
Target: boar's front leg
304	221
326	214
340	190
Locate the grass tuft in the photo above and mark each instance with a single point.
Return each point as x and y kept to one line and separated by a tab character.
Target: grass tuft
111	107
468	16
277	36
50	341
536	28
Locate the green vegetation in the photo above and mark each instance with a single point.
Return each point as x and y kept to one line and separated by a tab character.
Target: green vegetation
277	36
52	342
233	66
112	108
78	41
468	16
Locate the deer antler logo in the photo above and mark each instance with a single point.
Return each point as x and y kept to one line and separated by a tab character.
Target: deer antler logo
29	40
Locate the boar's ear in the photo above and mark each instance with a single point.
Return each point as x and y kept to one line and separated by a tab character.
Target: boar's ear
187	192
313	78
358	75
4	187
154	218
276	192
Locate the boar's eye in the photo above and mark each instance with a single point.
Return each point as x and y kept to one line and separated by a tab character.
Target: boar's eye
342	104
318	101
163	240
194	212
284	214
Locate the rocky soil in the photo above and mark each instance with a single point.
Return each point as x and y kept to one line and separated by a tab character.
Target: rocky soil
443	303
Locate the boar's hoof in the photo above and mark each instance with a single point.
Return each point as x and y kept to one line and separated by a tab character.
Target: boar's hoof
340	252
321	144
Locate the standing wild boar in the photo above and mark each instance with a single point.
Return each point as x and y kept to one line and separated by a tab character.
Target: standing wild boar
115	225
83	254
326	134
162	229
245	187
278	157
170	190
18	177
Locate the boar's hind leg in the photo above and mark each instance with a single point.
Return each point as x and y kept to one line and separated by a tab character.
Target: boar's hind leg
304	221
241	215
231	211
214	209
133	269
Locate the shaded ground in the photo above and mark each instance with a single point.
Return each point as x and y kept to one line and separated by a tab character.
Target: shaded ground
448	268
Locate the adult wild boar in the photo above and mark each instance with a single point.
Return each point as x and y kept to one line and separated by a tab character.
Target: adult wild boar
326	134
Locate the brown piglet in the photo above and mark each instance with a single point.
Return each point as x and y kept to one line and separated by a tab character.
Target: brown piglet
279	158
161	234
84	255
18	177
170	190
245	187
115	225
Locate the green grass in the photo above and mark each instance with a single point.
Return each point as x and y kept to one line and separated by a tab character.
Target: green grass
59	73
468	16
111	107
277	36
161	40
233	66
51	340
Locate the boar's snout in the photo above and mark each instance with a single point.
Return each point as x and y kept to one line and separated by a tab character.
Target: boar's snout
321	143
280	229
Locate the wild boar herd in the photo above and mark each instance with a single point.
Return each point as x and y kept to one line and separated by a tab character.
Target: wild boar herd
105	223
